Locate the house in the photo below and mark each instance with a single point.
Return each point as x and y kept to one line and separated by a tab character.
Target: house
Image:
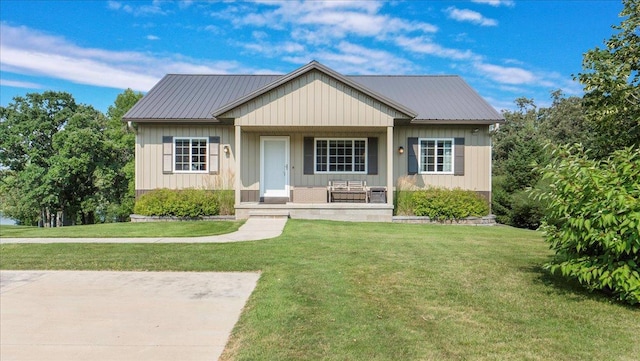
279	140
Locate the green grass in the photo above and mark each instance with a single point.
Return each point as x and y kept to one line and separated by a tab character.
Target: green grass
110	230
356	291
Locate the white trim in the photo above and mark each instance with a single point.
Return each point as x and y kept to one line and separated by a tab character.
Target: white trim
191	139
315	156
287	166
453	155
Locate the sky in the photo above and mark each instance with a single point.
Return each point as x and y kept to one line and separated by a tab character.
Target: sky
505	49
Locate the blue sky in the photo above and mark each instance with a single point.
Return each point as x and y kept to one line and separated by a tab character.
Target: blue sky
504	49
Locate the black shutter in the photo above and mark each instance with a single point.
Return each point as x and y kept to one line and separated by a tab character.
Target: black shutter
308	155
458	163
412	158
167	154
372	156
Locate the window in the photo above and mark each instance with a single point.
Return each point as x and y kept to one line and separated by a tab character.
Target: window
436	156
341	156
190	154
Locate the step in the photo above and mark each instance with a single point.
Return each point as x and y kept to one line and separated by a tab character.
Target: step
269	213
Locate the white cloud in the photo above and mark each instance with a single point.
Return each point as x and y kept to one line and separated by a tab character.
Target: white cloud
495	3
331	19
20	84
143	10
349	58
152	37
507	74
25	51
424	45
470	16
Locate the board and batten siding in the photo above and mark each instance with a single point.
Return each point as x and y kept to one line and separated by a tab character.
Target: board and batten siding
250	167
477	156
149	158
313	99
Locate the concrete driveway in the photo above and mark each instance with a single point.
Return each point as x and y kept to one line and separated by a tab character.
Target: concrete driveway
86	315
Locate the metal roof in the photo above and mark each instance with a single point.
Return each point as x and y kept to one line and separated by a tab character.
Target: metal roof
430	98
435	97
194	97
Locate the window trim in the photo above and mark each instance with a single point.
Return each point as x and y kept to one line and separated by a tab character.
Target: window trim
191	139
420	160
315	156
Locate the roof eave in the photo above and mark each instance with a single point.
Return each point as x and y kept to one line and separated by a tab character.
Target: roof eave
458	121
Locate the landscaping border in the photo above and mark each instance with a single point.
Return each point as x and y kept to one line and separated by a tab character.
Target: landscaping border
140	219
489	220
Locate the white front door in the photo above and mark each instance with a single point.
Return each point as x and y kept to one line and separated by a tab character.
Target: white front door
274	167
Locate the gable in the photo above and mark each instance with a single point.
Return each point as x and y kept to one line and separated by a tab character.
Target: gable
313	99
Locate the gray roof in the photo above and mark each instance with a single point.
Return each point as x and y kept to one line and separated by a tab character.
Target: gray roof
196	97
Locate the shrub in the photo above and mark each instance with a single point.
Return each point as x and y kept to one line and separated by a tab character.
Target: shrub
188	203
592	220
448	204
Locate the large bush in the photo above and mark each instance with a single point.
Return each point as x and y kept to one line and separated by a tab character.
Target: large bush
593	220
448	204
190	203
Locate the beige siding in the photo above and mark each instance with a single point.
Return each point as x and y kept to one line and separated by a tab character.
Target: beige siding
149	154
251	160
477	156
313	99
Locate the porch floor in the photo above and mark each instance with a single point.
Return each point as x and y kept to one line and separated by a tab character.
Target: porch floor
356	212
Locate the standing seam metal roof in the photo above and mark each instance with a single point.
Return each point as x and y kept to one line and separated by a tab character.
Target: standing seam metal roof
195	97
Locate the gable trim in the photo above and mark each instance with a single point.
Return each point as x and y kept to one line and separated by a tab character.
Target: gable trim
314	65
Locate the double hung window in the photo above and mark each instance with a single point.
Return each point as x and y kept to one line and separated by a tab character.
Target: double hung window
190	154
340	155
436	156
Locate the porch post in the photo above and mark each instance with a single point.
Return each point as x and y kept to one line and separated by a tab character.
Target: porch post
390	155
238	182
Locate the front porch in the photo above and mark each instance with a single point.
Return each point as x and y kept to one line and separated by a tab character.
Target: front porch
354	212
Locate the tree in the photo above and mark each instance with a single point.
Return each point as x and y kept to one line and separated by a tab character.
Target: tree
565	122
611	80
592	220
117	181
80	154
518	147
27	128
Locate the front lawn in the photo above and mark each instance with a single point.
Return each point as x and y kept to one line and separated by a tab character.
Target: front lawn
380	291
110	230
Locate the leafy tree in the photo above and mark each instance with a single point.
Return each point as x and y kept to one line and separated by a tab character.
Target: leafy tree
117	181
518	147
81	152
565	122
27	128
611	80
65	163
593	219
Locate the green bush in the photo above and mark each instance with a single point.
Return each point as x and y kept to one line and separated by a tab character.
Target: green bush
592	220
403	203
448	204
188	203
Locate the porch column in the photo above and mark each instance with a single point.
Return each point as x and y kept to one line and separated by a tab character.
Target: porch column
238	182
390	155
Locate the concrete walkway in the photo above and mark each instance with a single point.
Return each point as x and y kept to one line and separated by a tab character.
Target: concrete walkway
253	229
99	315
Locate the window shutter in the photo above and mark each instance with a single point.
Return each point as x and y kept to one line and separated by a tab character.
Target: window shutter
167	154
412	159
372	156
214	155
308	155
458	150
